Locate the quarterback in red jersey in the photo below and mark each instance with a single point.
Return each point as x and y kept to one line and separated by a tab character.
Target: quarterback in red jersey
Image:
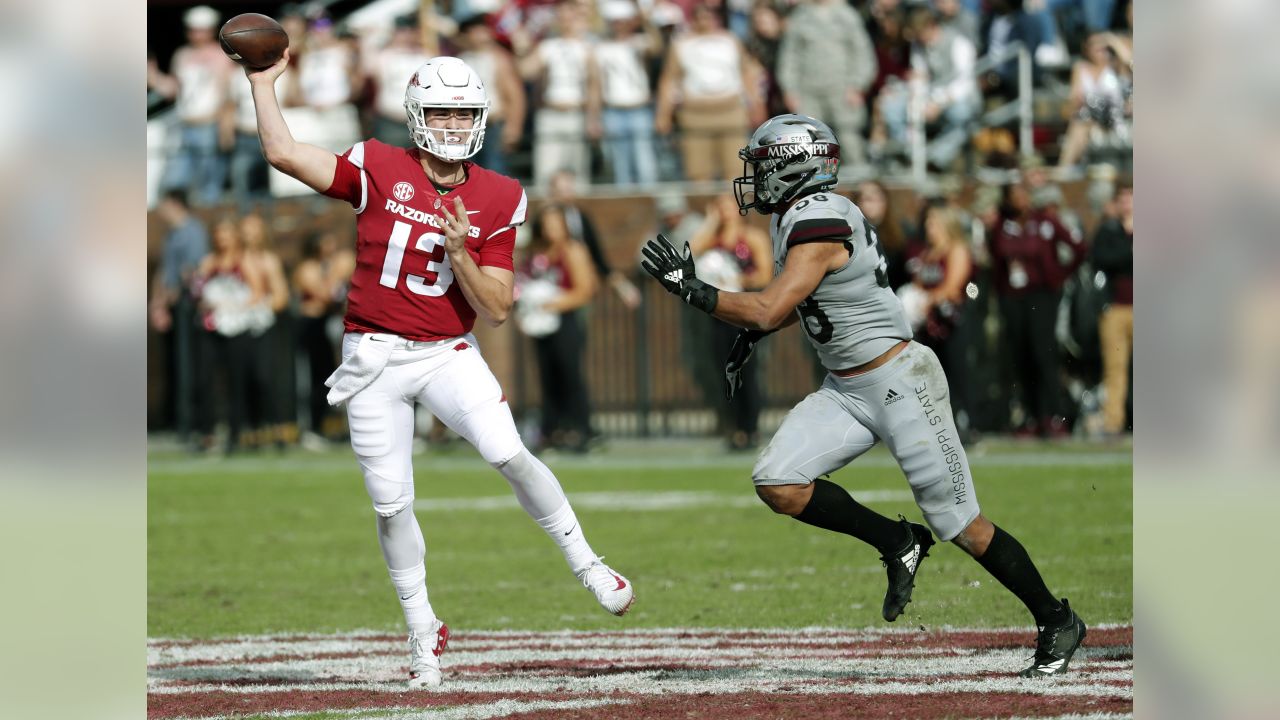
426	267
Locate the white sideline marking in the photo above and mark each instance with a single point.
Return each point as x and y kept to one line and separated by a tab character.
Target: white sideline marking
636	501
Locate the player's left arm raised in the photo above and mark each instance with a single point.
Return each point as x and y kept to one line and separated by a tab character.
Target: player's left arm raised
487	289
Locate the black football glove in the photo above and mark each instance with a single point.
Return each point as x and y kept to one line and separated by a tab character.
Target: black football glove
739	355
674	269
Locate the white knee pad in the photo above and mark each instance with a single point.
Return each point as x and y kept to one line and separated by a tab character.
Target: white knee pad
389	486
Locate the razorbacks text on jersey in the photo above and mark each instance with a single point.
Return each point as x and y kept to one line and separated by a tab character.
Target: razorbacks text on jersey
852	317
403	282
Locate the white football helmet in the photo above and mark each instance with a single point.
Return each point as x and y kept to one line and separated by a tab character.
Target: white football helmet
446	82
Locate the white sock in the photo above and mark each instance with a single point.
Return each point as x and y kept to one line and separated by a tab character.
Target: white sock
404	547
563	527
411	588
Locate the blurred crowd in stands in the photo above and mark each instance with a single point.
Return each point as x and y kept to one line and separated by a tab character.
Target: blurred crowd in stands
637	92
1027	299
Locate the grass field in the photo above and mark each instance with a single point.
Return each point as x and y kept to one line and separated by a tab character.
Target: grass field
266	545
271	545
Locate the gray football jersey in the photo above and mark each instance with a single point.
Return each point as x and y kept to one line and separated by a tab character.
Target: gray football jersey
852	317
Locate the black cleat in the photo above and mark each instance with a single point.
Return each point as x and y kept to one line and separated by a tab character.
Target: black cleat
1055	646
902	567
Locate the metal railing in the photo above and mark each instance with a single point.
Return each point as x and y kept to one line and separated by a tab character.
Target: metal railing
1020	107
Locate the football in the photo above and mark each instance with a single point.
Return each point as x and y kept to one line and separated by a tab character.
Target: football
253	40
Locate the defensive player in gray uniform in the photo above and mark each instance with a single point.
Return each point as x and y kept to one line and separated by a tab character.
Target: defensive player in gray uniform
830	275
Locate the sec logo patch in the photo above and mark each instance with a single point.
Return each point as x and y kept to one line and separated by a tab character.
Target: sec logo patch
402	191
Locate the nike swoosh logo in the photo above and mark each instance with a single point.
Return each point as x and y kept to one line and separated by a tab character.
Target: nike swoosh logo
575	527
621	583
472	212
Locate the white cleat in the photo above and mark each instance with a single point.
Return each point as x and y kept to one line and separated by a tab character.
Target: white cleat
614	592
424	655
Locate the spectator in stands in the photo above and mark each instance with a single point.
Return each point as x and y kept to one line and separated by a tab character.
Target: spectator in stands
294	21
825	67
873	199
269	398
564	67
1046	195
942	267
504	124
708	81
732	255
229	291
942	60
198	83
1005	24
328	72
1112	254
172	305
886	27
1032	255
953	15
329	79
1122	33
320	280
239	129
763	42
390	69
621	107
559	274
1100	86
737	16
562	190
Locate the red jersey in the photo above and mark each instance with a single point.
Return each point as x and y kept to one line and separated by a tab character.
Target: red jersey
403	283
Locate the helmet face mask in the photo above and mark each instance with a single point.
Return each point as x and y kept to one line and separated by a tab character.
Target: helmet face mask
450	85
787	157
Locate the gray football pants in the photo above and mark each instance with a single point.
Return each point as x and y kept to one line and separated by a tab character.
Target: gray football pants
906	404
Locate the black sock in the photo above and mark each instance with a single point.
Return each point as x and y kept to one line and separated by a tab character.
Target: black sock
833	508
1008	562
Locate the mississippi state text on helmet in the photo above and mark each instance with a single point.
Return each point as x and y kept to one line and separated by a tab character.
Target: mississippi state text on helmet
787	157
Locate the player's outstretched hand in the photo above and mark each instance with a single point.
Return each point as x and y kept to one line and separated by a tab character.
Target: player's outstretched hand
668	266
739	355
674	269
456	227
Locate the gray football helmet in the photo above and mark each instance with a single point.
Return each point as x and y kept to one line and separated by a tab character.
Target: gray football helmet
787	157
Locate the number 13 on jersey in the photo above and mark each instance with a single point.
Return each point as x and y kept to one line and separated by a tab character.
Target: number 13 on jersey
430	243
